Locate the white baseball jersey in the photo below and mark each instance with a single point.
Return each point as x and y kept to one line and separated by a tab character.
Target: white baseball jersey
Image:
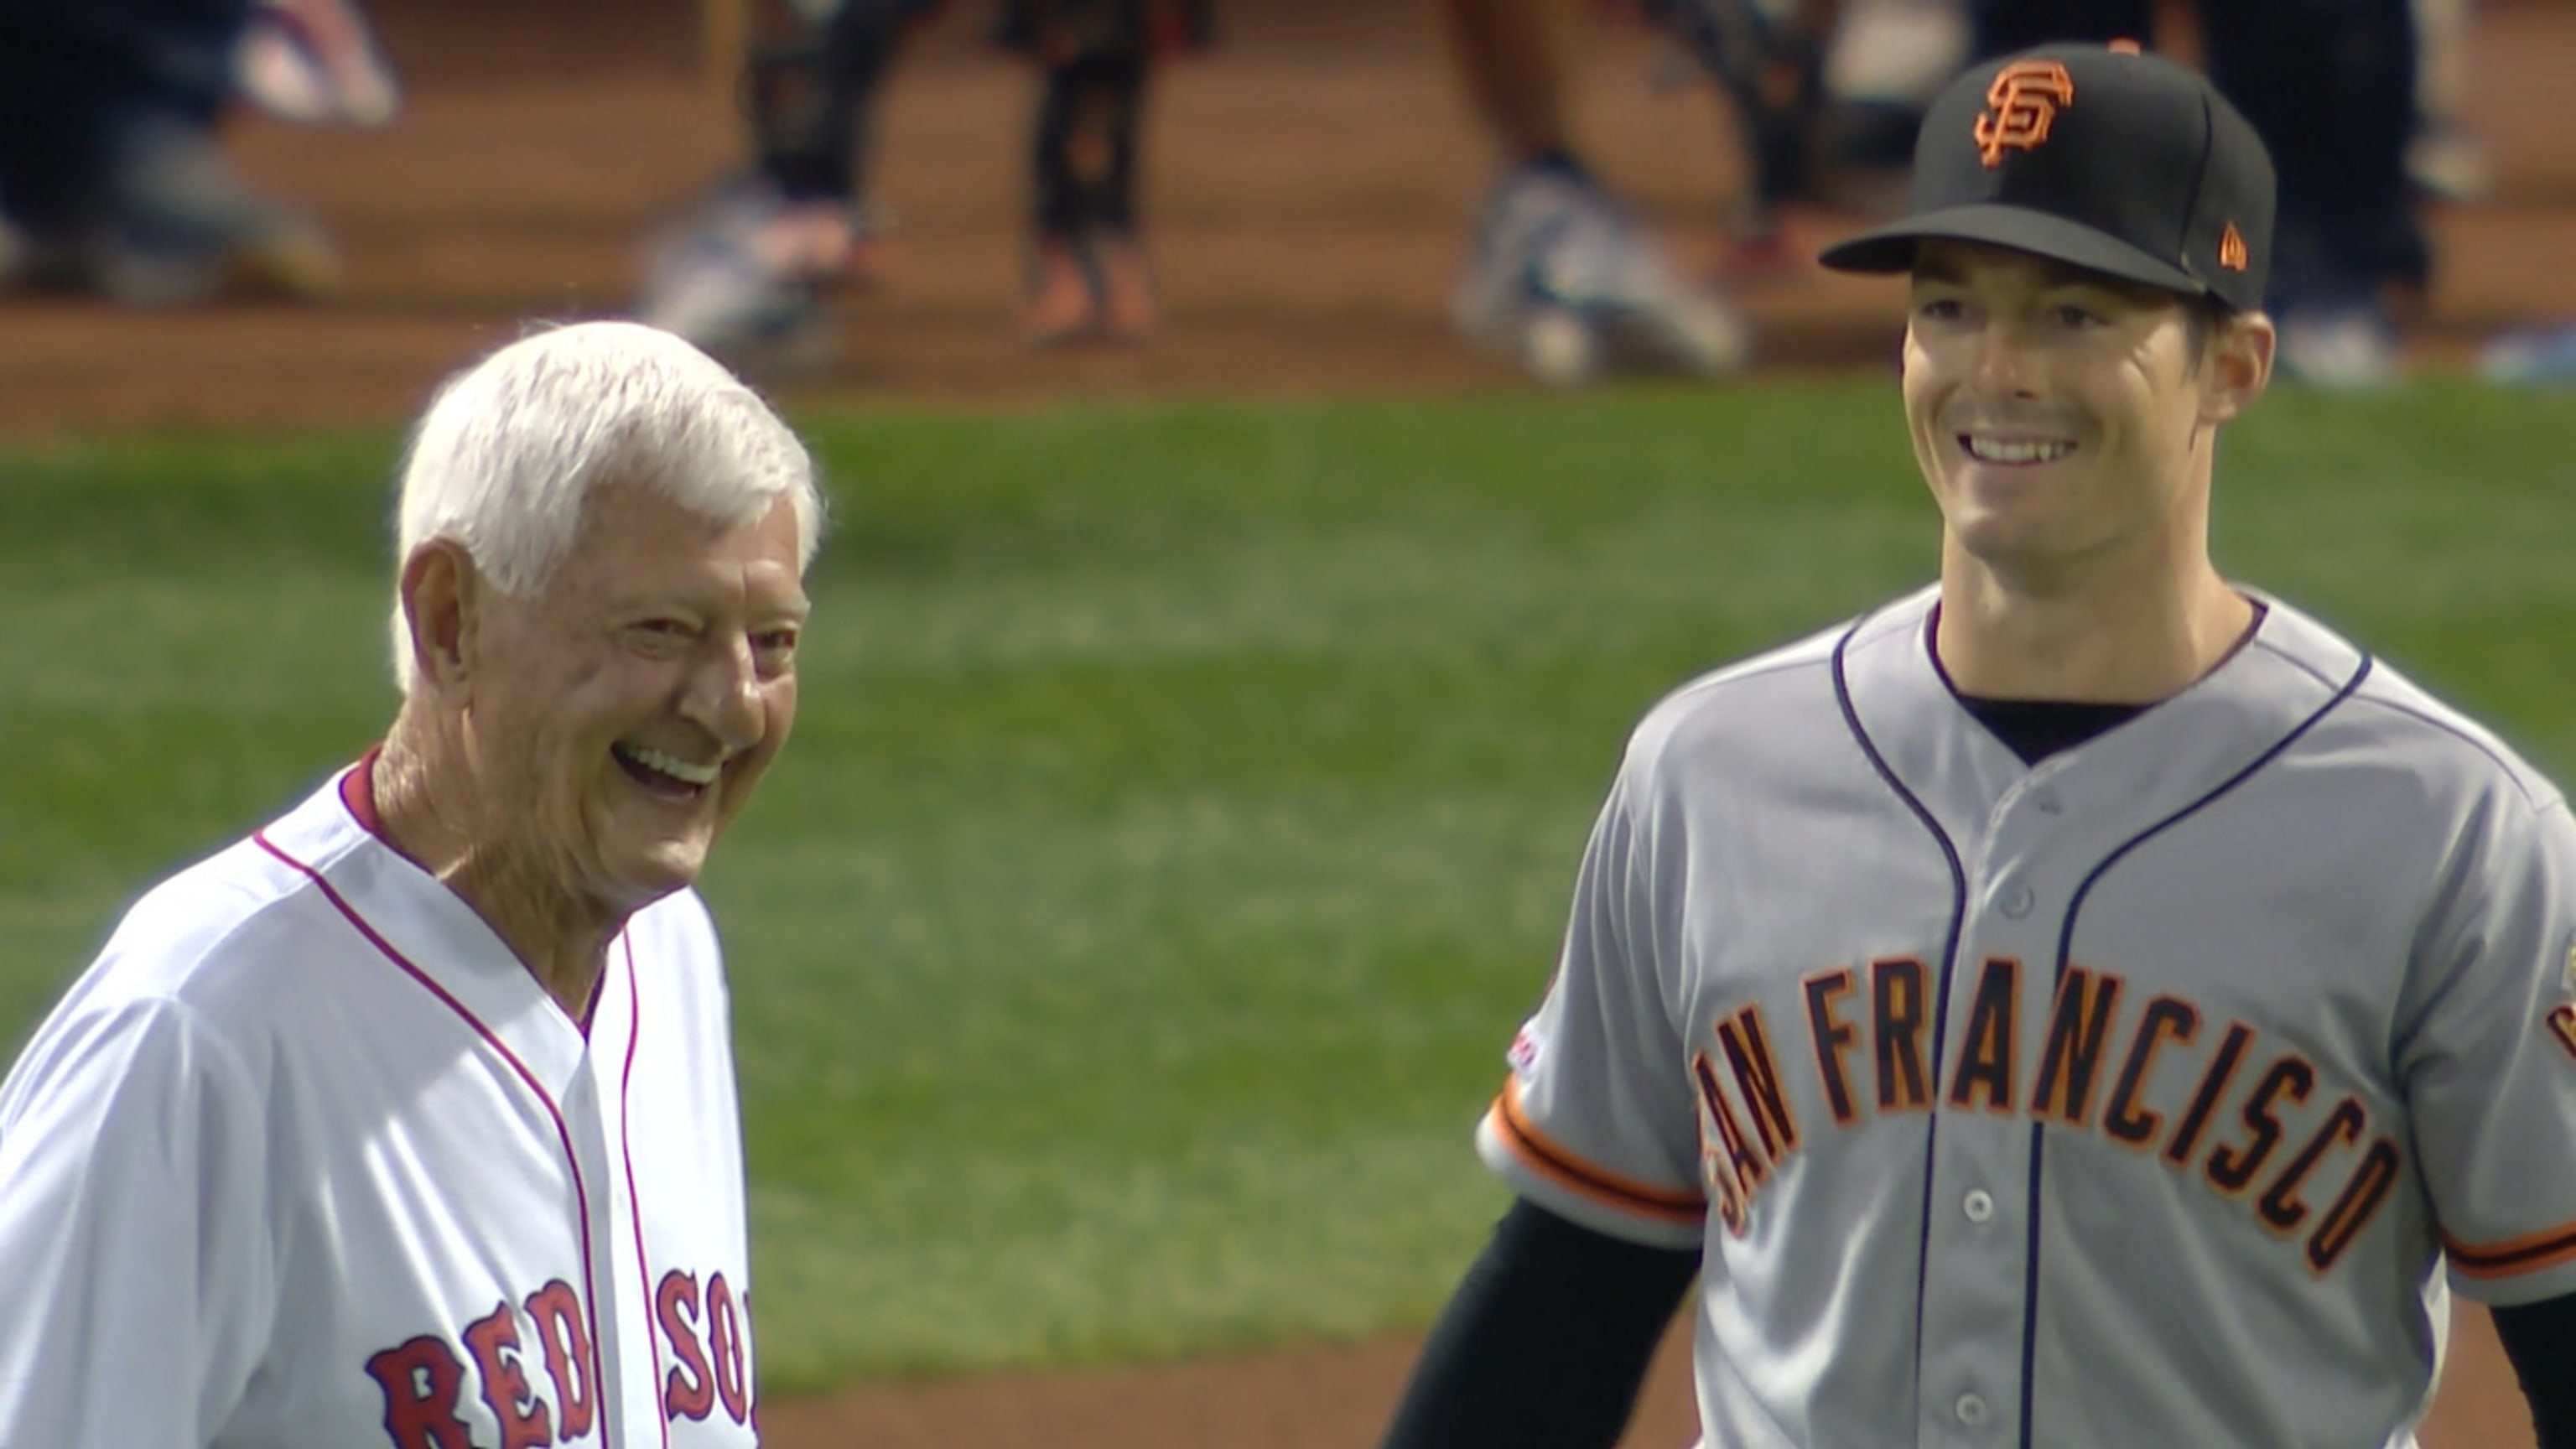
2135	1098
308	1160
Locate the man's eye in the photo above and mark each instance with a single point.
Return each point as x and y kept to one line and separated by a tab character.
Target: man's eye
2071	315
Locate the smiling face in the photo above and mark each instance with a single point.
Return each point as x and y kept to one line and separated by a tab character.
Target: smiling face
2064	419
619	719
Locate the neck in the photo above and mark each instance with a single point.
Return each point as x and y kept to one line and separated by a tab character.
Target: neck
2114	638
434	808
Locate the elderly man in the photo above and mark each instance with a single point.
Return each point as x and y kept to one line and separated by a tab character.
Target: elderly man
410	1119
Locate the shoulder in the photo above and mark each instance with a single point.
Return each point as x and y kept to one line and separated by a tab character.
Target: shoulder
217	939
2412	722
1775	701
2390	726
159	1005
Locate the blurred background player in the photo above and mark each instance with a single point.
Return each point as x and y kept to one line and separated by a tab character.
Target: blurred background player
1561	273
1088	274
112	174
2331	85
2445	158
1825	97
749	270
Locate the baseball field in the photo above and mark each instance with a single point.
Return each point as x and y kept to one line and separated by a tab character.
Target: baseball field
1196	741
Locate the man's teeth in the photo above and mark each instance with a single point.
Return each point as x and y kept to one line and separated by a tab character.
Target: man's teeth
677	769
1999	450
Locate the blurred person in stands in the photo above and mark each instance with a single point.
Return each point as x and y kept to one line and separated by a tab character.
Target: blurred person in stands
1561	272
1824	94
2446	158
747	272
112	176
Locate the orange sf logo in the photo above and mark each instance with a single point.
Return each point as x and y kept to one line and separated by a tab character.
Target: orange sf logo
2021	105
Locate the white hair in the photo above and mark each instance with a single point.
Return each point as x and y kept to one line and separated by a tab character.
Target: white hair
511	448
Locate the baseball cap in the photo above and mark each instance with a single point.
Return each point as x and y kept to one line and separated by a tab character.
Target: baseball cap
2098	156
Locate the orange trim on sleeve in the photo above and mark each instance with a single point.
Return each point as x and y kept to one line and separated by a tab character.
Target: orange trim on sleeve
1549	1159
2515	1256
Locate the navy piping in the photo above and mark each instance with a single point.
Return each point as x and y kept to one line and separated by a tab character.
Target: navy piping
1941	1008
2065	946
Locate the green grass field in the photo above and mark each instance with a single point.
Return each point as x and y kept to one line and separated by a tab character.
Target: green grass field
1184	799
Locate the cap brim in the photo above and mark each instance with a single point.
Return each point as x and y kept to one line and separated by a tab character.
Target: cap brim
1891	248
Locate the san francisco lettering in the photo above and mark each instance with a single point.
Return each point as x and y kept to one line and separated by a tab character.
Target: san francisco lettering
2253	1125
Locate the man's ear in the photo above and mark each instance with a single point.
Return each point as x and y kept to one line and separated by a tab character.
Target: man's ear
2239	366
441	594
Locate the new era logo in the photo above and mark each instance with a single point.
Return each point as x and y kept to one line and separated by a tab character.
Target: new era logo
2231	249
2020	107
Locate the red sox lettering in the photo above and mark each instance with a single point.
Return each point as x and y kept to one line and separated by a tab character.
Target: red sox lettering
707	1347
2257	1124
536	1370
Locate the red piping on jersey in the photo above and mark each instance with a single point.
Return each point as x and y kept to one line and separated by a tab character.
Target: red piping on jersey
626	1150
2514	1257
358	793
1544	1156
563	1134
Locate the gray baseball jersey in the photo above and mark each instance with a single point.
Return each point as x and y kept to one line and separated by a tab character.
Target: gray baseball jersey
309	1160
2140	1097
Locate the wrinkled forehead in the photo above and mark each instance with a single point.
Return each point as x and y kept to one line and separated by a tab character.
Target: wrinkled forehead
633	538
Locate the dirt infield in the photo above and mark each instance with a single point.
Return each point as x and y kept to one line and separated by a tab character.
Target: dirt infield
1309	184
1339	1397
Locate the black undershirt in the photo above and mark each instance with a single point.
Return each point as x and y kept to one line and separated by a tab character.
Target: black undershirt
2035	729
1546	1342
2540	1339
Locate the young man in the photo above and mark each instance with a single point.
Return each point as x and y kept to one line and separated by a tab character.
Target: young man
410	1120
2085	1002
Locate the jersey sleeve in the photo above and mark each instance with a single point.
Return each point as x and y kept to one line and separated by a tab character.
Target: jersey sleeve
2489	1063
133	1236
1594	1121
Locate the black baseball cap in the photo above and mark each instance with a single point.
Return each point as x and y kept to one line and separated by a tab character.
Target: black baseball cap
2097	156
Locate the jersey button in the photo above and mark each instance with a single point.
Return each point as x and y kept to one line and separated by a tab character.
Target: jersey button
1979	1205
2048	802
2017	902
1971	1410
